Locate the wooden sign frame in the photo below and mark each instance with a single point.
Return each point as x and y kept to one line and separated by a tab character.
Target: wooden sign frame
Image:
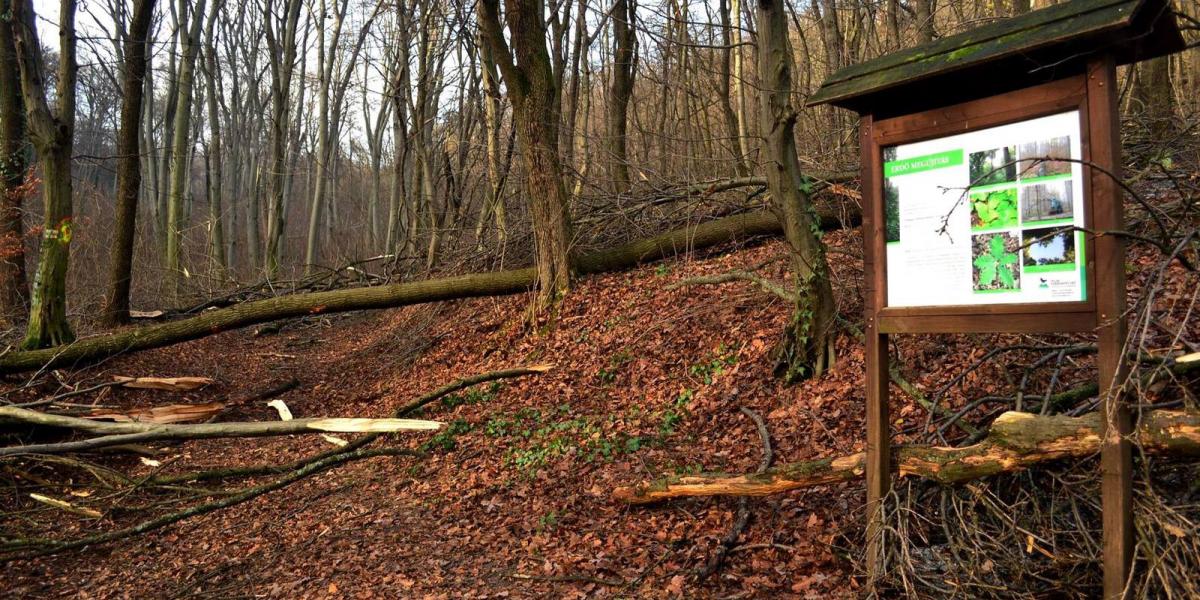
1093	94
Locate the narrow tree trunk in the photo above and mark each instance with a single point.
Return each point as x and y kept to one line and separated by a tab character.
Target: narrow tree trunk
724	93
624	37
923	15
738	84
807	347
216	209
283	61
493	203
181	145
1156	96
14	287
892	17
129	163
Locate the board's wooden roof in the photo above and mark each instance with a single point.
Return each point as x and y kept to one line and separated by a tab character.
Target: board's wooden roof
1023	50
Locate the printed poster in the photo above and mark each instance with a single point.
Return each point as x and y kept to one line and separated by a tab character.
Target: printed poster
987	217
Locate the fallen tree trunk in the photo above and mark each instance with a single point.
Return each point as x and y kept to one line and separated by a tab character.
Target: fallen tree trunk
390	296
1016	441
115	434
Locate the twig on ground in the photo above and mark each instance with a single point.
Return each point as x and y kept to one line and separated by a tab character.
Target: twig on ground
743	514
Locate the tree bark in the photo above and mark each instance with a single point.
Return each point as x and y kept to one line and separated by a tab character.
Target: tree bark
181	142
1015	442
724	91
624	38
14	287
528	74
53	135
216	209
923	17
389	296
282	46
1156	96
129	164
807	346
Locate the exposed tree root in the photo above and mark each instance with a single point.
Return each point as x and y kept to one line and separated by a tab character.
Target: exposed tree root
1015	441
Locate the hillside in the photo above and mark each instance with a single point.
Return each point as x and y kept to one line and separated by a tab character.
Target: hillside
512	496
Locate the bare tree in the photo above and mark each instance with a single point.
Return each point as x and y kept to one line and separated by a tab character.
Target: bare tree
807	348
624	37
14	289
280	33
181	142
528	75
52	130
129	162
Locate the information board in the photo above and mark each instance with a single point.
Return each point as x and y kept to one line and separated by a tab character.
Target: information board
987	216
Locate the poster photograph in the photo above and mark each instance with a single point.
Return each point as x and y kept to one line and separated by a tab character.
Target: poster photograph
987	217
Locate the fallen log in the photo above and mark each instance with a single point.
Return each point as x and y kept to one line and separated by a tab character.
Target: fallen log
135	433
1016	441
474	285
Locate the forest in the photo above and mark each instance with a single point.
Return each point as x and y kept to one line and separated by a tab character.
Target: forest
565	298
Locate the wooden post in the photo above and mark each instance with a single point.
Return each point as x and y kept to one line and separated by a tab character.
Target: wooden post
1115	454
878	465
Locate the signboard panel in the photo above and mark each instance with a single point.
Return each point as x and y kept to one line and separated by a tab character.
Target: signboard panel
986	217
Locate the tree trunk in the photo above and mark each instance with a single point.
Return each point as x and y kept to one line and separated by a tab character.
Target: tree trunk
181	143
283	62
216	210
14	288
493	202
807	347
1015	442
892	18
923	15
129	164
53	135
530	79
624	37
724	93
389	296
1156	96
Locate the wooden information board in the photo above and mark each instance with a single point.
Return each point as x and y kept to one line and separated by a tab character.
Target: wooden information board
990	173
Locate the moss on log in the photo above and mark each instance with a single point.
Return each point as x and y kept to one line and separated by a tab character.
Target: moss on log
475	285
1016	441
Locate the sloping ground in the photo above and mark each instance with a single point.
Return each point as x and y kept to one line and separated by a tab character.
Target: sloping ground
512	499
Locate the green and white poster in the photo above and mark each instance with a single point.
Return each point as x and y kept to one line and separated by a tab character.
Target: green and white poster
987	217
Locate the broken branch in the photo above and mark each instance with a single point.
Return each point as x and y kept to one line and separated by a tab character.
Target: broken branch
1016	441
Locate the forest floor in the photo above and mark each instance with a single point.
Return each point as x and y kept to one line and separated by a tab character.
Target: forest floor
512	498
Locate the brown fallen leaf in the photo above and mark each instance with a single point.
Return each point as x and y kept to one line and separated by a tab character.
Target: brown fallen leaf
170	384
